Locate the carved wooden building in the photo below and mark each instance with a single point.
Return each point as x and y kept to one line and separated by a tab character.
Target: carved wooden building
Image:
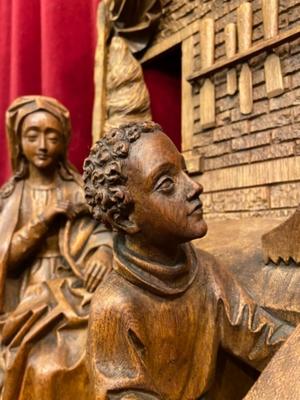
240	100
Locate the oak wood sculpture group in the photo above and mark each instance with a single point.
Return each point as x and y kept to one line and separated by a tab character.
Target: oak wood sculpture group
161	307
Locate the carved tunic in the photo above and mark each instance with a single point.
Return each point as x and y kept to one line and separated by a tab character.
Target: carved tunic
155	330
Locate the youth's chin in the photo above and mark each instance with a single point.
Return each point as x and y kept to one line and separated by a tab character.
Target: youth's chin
198	230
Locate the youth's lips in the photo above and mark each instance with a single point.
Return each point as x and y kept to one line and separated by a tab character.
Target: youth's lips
197	208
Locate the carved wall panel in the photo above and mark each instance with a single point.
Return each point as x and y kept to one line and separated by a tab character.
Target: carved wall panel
257	149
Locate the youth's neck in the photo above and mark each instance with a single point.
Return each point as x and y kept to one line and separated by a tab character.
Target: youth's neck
42	176
162	254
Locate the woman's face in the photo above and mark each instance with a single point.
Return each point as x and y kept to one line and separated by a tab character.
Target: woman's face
42	140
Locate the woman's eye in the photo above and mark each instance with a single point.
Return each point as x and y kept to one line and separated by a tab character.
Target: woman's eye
31	138
165	185
52	138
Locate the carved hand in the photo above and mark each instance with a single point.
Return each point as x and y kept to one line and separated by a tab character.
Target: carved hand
97	268
66	208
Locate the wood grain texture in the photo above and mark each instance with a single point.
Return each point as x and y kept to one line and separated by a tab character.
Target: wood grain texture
273	76
281	244
272	129
244	26
171	41
49	245
207	42
270	10
273	72
207	105
187	118
260	173
207	91
280	380
231	47
159	279
246	90
238	244
99	110
257	48
244	23
127	97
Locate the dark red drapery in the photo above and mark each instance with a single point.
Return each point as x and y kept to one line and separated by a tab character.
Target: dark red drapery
47	47
165	94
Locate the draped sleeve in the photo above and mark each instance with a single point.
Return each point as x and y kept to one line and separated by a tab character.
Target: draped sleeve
9	215
247	330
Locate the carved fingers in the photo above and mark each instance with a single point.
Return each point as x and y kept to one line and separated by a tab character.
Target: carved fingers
65	208
94	275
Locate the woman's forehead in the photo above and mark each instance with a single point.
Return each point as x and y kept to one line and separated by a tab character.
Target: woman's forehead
41	118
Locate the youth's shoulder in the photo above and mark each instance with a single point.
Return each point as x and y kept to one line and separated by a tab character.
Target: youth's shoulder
206	259
114	294
215	272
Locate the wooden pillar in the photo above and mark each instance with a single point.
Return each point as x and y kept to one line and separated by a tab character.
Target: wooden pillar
187	115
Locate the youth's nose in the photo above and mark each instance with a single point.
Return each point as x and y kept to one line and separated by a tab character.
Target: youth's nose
195	189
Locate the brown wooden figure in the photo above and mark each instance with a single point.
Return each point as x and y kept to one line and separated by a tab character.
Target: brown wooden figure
52	257
157	323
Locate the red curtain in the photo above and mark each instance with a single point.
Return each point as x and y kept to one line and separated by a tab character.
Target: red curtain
47	47
165	94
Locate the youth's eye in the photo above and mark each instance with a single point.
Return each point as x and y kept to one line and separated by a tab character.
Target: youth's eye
165	184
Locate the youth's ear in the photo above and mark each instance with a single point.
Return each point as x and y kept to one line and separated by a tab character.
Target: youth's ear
127	225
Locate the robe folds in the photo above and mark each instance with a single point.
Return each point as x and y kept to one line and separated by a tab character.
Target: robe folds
155	330
44	303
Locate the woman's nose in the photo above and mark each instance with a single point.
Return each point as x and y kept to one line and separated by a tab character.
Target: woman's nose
42	142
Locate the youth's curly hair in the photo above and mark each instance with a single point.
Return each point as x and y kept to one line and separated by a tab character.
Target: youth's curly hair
104	179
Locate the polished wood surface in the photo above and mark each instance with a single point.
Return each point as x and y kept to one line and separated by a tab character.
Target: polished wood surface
167	307
52	258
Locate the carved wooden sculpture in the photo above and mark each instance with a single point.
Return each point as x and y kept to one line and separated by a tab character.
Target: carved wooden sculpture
127	97
135	20
124	27
282	242
52	257
157	323
280	380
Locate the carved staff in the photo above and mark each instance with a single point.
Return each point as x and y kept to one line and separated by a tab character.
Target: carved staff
99	112
207	93
245	41
230	46
273	73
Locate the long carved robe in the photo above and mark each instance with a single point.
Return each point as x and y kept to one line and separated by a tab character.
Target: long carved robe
155	330
44	328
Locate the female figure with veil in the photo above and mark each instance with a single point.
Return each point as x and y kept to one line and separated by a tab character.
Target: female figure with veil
52	257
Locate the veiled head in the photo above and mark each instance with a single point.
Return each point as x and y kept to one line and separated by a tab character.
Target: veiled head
17	114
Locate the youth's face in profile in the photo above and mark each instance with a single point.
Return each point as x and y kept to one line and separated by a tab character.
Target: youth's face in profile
166	201
42	139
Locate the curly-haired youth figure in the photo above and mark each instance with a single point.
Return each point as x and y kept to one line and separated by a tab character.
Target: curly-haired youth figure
52	256
156	325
